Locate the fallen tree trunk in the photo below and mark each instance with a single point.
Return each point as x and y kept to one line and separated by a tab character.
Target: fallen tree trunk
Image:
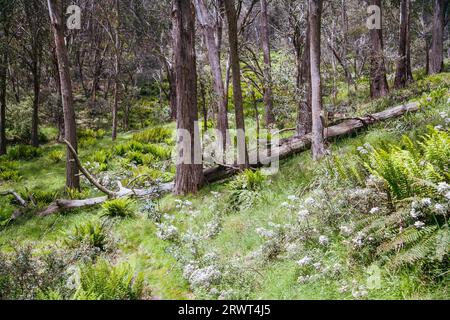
287	148
291	146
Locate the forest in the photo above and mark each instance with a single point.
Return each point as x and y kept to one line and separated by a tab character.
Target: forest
224	150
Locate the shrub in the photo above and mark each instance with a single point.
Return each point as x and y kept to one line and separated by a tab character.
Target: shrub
160	152
245	190
92	233
56	156
90	133
120	208
102	281
42	198
154	135
136	157
9	171
101	157
25	276
120	150
87	142
24	152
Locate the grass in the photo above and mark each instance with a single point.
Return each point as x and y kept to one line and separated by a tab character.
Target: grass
138	244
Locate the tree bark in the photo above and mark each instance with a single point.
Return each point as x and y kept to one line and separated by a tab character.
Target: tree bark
237	89
304	120
265	40
378	81
70	130
315	17
117	49
437	47
403	74
189	174
3	74
208	29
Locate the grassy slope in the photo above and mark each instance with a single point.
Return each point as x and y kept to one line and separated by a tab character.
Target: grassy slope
138	243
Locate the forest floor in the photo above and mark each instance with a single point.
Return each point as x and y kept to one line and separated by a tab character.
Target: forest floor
229	243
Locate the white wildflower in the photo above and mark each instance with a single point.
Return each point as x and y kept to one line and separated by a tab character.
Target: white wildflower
439	128
303	214
375	210
263	233
310	202
205	277
415	214
346	230
443	115
443	187
419	225
324	241
439	208
426	202
304	262
292	198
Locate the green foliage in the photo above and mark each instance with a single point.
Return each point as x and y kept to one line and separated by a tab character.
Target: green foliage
120	208
160	152
154	135
102	281
9	171
244	190
24	152
403	170
90	133
56	156
26	276
42	198
85	143
92	233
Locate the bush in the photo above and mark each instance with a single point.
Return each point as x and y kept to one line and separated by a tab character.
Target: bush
245	190
56	156
90	133
120	208
24	276
24	152
102	281
154	135
43	198
87	142
91	233
9	171
160	152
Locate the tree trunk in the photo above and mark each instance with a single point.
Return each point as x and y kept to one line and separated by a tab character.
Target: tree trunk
378	82
265	40
230	9
189	175
36	100
3	74
58	112
70	131
437	47
403	74
208	29
117	49
315	17
304	121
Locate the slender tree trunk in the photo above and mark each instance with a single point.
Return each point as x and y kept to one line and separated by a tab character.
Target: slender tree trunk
304	121
265	40
403	74
70	131
378	81
189	175
117	49
3	75
58	113
208	29
36	99
315	17
437	47
230	9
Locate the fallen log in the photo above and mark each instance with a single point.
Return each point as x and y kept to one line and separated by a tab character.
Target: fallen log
287	148
291	146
